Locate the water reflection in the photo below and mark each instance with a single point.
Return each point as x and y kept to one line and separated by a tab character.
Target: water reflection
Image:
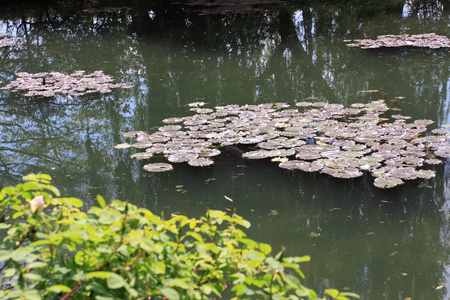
381	244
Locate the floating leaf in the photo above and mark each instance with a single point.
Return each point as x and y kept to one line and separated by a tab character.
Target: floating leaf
316	134
122	146
200	162
387	182
158	167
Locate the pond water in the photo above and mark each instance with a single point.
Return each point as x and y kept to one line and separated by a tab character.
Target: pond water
381	244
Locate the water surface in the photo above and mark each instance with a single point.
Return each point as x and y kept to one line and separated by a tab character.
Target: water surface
382	244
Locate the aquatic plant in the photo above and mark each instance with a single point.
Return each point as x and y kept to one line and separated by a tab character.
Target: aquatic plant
51	249
425	40
50	84
315	137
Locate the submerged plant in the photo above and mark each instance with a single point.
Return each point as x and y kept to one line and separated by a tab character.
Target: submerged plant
315	137
120	251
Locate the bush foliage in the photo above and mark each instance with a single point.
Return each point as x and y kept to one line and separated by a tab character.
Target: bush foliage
120	251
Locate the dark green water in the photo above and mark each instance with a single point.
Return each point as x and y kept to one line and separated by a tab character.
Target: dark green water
382	244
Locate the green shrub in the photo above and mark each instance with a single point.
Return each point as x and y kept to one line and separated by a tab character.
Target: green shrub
120	251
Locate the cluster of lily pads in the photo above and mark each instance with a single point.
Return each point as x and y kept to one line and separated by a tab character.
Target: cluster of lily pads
49	84
427	40
5	41
328	138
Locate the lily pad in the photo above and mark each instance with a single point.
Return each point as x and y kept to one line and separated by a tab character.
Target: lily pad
387	182
158	167
201	162
122	146
329	138
142	155
258	154
49	84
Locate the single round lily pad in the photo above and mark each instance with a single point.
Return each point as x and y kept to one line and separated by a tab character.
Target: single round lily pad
158	167
387	182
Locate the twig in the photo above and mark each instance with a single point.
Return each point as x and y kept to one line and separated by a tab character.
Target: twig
79	283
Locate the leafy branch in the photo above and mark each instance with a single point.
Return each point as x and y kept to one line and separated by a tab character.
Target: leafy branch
120	251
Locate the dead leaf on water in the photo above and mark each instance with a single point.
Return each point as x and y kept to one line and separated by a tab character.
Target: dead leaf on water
273	212
441	285
279	159
370	91
122	146
228	198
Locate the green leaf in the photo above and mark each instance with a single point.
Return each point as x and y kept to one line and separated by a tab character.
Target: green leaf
30	186
32	295
5	255
335	294
206	289
16	207
275	264
20	254
73	202
159	267
53	189
9	190
34	265
4	226
40	242
115	282
107	217
192	223
265	248
18	214
101	201
147	245
255	256
196	236
293	281
58	288
239	289
170	293
9	272
32	276
99	274
246	223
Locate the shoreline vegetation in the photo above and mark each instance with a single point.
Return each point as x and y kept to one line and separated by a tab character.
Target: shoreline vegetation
52	249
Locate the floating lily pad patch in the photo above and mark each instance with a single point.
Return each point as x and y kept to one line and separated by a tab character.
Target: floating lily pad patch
312	137
55	83
426	40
